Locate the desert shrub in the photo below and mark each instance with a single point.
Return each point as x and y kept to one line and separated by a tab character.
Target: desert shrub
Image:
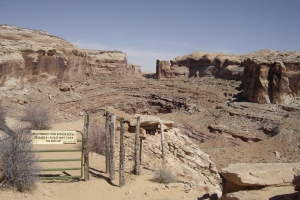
164	175
96	138
18	164
270	128
3	113
38	117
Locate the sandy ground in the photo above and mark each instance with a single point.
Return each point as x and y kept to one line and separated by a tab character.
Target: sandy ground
99	186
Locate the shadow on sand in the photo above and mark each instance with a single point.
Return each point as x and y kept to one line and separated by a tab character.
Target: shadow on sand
98	174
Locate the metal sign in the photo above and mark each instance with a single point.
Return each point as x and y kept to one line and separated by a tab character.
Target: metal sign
53	137
59	137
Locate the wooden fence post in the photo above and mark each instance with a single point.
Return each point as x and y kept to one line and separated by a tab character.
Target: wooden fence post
112	148
122	154
86	147
162	143
6	129
137	147
107	144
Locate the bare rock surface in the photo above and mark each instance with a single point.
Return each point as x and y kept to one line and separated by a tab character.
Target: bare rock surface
199	64
212	112
296	181
272	193
28	56
259	180
268	76
260	174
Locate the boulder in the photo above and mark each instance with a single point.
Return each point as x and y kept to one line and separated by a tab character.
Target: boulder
296	181
284	192
120	114
244	176
146	121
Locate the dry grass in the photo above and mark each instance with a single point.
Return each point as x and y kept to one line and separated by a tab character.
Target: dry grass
38	117
19	167
97	138
164	175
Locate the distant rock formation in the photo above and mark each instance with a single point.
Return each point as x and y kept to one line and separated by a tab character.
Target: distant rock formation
199	64
31	56
268	76
271	76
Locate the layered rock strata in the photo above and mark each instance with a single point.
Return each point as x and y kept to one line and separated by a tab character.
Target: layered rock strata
268	76
242	177
271	76
200	64
31	56
186	161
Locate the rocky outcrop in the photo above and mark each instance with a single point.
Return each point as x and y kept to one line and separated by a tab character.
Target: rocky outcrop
244	177
184	158
296	181
31	56
271	76
271	193
192	166
201	64
268	76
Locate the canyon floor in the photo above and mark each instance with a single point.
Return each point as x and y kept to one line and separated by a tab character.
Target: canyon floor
210	111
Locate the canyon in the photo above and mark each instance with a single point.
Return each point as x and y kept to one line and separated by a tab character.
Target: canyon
234	108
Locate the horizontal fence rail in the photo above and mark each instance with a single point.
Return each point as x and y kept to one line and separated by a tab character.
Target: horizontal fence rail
40	141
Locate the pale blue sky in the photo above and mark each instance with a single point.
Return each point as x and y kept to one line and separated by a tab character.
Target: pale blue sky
162	29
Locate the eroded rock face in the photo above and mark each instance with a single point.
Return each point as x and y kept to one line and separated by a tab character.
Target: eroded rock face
268	76
201	64
271	76
31	56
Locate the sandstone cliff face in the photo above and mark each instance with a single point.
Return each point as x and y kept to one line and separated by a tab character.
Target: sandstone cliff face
268	76
200	64
30	56
271	76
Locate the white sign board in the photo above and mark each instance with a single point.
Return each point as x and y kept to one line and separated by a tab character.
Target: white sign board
53	137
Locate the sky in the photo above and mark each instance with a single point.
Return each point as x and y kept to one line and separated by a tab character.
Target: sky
147	30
